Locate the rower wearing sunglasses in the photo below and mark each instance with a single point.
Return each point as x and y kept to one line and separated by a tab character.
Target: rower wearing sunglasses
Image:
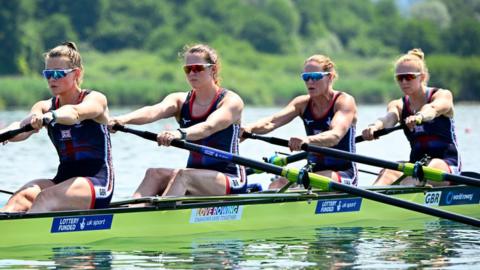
329	117
76	121
427	114
208	115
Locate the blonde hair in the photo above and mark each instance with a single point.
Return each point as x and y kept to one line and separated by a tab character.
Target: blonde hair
68	50
325	62
208	54
416	56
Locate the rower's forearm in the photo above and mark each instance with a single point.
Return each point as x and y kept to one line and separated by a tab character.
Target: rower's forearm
325	139
141	116
200	131
386	121
427	113
66	115
263	126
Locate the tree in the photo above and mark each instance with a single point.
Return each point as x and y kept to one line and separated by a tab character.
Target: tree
126	24
420	34
56	29
10	20
265	34
463	37
387	25
432	11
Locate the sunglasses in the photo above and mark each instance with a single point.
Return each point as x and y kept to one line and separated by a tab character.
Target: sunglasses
56	73
195	68
407	76
316	76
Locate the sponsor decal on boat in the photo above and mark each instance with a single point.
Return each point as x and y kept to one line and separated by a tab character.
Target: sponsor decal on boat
81	223
433	198
454	196
218	213
338	205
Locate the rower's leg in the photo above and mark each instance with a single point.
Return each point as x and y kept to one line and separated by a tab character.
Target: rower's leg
23	199
72	194
197	182
155	182
278	183
441	165
387	177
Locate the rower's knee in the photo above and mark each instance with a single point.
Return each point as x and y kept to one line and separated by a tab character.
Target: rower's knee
439	164
386	177
155	182
158	174
183	176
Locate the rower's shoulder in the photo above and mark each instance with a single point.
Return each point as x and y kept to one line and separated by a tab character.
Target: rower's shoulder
442	92
345	97
302	99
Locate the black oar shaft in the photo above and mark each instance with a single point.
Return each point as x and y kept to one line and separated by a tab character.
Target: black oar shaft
315	180
12	133
296	157
6	192
379	133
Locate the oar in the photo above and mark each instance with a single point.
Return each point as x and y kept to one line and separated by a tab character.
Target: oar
408	169
379	133
12	133
6	192
315	180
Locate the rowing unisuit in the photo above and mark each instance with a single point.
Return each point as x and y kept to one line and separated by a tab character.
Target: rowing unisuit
84	150
225	140
346	170
435	138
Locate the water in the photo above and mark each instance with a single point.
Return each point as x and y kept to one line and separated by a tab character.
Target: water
436	245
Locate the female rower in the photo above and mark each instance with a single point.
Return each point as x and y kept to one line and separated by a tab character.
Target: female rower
208	115
427	113
329	117
77	126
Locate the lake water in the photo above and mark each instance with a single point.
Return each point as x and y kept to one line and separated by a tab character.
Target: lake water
436	245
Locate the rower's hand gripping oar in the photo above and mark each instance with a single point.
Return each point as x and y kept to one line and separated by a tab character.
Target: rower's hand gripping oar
409	169
316	180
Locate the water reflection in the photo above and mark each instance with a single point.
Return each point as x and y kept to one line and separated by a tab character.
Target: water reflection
434	245
81	258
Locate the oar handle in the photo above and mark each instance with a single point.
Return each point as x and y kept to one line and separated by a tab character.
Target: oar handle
12	133
379	133
296	157
144	134
6	192
272	140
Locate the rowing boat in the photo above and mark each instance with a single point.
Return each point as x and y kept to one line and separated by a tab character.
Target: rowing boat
194	215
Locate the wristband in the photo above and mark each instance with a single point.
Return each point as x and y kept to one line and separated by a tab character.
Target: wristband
183	134
53	120
54	115
419	121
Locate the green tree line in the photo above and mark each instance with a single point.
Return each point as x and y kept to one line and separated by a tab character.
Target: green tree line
130	48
